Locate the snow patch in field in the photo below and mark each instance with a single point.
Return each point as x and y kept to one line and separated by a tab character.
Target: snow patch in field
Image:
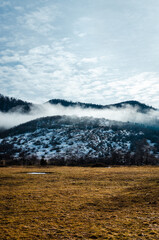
36	173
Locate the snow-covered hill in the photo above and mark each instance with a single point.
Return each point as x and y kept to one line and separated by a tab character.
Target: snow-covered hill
72	140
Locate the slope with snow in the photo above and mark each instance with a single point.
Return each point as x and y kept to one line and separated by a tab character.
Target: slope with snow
73	140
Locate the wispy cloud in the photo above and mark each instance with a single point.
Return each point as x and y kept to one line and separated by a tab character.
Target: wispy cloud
40	20
54	72
104	53
89	60
4	3
80	34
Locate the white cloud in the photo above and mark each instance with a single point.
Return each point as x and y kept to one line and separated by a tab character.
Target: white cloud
97	71
4	3
9	59
40	20
8	120
80	34
3	39
94	54
89	60
18	8
49	71
84	19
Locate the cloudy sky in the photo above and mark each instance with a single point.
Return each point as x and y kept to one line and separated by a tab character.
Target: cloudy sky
99	51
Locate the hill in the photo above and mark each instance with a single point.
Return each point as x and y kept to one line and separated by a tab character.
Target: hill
64	140
141	107
11	104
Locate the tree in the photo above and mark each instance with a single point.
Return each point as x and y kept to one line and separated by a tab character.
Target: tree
43	162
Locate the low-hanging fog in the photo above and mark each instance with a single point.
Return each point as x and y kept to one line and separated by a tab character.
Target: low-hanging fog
125	114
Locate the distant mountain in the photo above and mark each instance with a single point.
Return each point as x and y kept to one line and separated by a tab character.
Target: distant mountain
24	111
8	104
141	107
63	140
65	103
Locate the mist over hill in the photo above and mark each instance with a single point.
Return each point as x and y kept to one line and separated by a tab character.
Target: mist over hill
141	107
68	133
14	112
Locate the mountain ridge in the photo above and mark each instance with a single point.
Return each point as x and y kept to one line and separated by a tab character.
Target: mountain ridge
133	103
8	104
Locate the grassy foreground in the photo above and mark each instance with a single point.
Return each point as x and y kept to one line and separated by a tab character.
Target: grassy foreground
79	203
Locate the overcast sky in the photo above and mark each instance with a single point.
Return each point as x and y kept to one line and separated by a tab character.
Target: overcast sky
99	51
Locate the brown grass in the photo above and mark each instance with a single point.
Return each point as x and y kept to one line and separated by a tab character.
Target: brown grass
79	203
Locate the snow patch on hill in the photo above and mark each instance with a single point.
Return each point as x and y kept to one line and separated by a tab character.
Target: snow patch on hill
79	139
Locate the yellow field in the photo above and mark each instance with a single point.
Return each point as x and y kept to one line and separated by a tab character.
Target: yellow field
79	203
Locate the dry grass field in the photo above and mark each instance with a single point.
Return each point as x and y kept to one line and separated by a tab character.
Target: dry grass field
79	203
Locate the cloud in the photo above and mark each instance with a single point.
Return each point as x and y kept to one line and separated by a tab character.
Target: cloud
89	60
4	3
80	34
127	113
40	20
90	51
3	39
18	8
53	50
51	71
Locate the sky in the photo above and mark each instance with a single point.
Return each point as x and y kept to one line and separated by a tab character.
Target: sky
95	51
